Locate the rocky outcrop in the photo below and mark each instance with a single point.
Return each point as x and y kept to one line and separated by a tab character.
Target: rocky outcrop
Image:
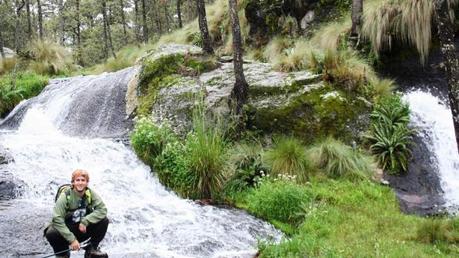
10	187
298	102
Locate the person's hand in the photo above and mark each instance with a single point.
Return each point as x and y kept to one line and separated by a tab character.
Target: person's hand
75	245
82	228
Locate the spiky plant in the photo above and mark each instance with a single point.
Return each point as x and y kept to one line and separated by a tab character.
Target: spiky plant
336	160
381	88
288	156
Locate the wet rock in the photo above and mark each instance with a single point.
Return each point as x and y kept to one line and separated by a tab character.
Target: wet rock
10	187
419	190
5	157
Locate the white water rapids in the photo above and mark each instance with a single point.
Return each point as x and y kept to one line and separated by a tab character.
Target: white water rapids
146	220
431	115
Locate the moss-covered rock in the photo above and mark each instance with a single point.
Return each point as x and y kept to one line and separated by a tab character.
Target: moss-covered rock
299	103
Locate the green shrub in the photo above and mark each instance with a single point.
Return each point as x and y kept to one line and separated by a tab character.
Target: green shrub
206	155
172	169
246	165
336	159
13	90
434	230
390	137
149	140
288	156
278	200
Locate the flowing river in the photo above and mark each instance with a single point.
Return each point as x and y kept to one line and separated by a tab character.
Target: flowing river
80	123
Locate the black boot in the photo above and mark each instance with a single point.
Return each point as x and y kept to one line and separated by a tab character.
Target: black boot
92	252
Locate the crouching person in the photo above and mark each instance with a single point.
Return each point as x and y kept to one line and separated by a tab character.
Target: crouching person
79	214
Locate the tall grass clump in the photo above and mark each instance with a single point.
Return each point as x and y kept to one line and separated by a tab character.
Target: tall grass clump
381	88
278	201
435	230
288	156
206	155
389	136
337	160
13	89
407	21
7	64
49	58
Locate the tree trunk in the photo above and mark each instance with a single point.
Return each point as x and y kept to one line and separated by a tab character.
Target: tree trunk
445	28
240	90
136	21
17	30
79	54
61	22
104	17
109	32
179	13
123	20
40	20
29	21
166	16
357	11
2	51
206	42
144	20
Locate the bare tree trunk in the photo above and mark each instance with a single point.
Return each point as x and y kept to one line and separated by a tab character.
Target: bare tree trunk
166	17
136	21
61	22
445	28
40	20
357	11
79	58
144	20
179	13
123	20
107	35
109	31
206	42
17	44
2	51
241	88
29	21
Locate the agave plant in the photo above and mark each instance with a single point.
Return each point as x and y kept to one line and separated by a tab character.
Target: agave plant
390	137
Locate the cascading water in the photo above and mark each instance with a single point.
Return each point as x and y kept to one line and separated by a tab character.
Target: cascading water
431	115
146	219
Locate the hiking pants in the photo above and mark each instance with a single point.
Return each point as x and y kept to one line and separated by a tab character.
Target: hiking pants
94	231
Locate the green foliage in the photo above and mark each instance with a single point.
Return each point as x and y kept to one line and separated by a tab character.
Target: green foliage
7	64
246	166
149	140
49	58
206	155
14	89
381	88
336	160
434	230
390	137
277	200
288	156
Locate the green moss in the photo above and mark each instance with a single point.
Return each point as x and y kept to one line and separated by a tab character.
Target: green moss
165	72
321	112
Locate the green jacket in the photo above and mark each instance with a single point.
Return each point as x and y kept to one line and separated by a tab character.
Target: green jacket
66	205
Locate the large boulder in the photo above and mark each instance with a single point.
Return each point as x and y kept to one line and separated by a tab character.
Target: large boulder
297	102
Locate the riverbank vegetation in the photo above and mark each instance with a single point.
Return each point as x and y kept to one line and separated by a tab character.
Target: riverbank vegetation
320	191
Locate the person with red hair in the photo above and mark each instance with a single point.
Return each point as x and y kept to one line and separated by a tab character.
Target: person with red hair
79	214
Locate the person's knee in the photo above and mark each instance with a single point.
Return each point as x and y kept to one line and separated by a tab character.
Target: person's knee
51	234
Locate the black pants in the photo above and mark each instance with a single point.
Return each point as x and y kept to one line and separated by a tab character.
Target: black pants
94	231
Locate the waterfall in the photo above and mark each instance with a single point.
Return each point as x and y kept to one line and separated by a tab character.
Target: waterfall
431	115
75	123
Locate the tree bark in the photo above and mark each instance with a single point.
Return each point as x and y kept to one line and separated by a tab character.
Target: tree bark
29	21
17	44
179	13
40	20
61	22
241	88
123	20
445	29
144	20
206	42
136	21
357	12
2	52
79	54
